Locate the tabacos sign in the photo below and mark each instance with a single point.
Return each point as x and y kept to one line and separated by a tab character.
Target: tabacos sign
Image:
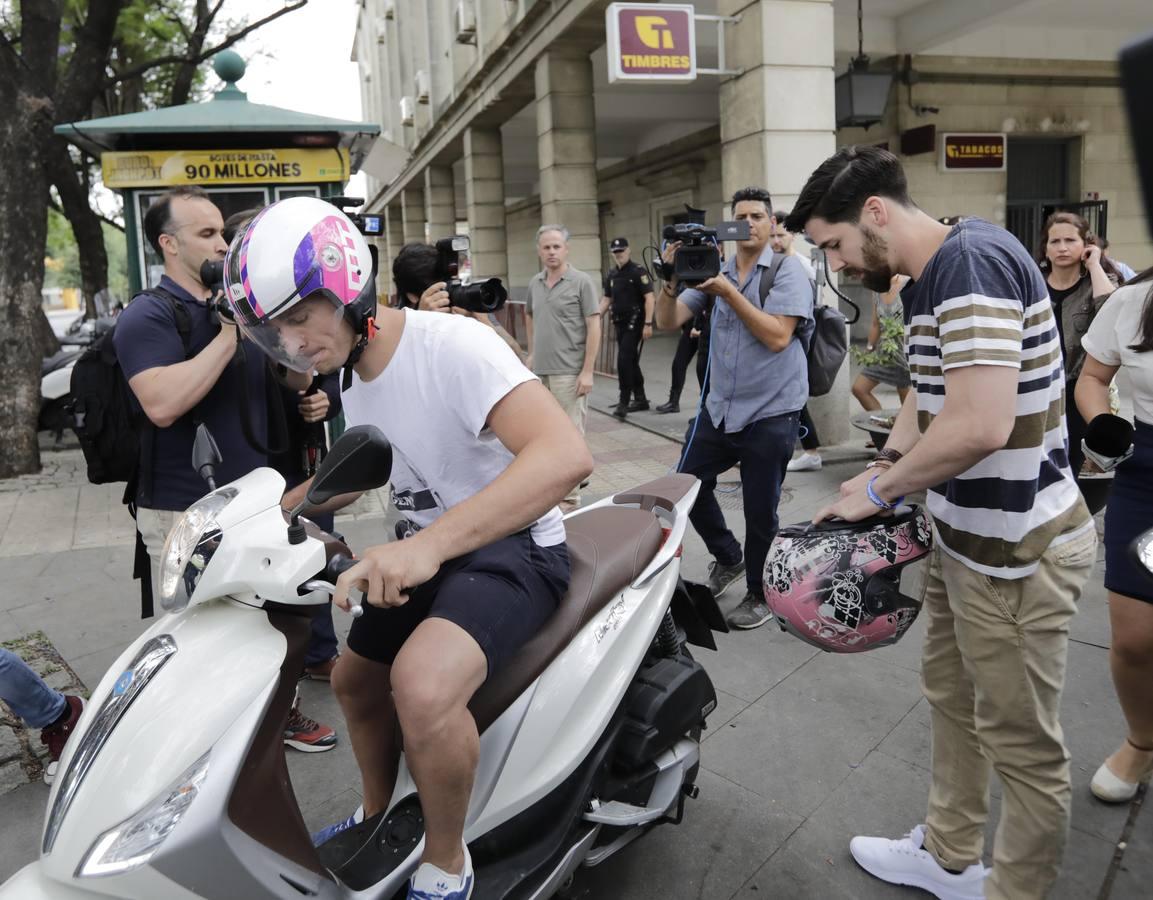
973	152
651	42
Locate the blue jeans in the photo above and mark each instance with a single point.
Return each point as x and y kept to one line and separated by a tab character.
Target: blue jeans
763	449
25	691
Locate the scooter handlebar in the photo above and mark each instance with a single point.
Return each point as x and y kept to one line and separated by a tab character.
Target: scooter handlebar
336	566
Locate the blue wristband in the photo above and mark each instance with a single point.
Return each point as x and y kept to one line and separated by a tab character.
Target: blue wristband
876	498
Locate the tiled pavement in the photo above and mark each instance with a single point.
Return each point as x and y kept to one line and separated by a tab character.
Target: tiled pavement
803	751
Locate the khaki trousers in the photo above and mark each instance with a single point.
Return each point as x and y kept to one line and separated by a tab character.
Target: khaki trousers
564	388
154	525
993	670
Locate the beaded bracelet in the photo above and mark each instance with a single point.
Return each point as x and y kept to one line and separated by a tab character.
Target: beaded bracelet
877	499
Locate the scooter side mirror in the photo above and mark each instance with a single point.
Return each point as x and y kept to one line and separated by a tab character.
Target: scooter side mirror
205	455
360	460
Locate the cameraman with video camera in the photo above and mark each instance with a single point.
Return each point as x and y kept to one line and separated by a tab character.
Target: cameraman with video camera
758	383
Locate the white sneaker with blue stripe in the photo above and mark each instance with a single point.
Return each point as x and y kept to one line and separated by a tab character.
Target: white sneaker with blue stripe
331	831
432	883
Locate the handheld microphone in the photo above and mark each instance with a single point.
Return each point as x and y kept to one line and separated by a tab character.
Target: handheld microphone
1108	441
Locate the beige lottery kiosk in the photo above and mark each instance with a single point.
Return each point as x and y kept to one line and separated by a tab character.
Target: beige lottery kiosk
244	154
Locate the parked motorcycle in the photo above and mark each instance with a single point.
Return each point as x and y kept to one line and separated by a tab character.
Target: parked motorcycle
175	786
56	373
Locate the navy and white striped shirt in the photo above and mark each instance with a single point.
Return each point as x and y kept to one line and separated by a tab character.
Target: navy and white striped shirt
981	301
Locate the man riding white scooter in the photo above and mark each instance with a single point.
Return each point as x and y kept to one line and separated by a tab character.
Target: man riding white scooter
482	455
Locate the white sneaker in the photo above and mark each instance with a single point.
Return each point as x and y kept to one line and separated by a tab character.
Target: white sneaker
906	862
432	883
806	462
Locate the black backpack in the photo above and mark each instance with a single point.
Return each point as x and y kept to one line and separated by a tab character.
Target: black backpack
108	426
828	344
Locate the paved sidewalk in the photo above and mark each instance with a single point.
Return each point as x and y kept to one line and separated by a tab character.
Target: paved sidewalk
804	750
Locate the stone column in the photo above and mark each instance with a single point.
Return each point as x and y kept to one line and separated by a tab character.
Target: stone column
394	234
778	123
439	202
412	212
566	142
484	201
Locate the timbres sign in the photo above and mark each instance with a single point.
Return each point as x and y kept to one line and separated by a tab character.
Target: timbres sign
651	42
169	168
973	152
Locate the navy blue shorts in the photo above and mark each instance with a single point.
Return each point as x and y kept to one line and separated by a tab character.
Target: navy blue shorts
1129	514
501	594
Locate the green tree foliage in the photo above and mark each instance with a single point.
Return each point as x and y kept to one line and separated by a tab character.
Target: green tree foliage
65	61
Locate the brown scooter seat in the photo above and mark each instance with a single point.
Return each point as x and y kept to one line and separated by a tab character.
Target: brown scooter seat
661	493
608	549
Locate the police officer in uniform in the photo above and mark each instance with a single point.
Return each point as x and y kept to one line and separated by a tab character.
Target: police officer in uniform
629	291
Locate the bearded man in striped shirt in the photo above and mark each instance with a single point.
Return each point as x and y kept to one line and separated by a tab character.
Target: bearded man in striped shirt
984	433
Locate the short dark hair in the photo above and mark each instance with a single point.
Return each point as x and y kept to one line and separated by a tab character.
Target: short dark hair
414	270
237	222
751	193
839	187
780	215
158	217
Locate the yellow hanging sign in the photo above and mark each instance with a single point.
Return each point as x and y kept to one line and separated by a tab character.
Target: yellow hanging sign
170	168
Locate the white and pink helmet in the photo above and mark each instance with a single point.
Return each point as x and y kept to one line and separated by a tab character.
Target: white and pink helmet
294	249
837	585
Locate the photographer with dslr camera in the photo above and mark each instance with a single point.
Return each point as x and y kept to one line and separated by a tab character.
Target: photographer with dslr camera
424	280
758	383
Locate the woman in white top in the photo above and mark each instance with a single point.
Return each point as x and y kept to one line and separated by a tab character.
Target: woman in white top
1121	336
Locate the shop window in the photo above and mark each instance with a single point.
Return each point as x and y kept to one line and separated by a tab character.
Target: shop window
227	200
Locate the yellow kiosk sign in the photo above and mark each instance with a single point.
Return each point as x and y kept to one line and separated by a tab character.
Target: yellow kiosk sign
169	168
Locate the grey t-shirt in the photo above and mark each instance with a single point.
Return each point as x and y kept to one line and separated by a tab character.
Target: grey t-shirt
559	329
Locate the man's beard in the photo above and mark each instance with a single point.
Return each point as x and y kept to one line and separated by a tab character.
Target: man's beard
876	273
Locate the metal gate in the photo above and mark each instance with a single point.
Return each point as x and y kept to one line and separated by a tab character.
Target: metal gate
1024	220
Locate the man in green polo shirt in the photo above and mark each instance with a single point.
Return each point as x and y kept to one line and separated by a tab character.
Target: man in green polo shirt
564	329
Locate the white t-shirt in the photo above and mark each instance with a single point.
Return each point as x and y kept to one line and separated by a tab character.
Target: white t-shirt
808	266
431	401
1116	326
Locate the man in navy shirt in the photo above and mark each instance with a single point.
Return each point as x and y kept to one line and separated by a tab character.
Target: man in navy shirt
758	382
174	385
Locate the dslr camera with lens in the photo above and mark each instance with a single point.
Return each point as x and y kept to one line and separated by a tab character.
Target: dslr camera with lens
454	268
699	257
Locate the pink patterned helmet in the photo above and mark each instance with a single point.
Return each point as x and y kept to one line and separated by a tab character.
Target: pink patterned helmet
291	251
837	585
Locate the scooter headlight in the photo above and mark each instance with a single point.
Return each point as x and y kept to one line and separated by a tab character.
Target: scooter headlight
189	548
134	841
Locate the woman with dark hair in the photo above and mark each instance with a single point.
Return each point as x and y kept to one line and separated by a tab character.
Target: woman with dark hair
1080	279
1122	337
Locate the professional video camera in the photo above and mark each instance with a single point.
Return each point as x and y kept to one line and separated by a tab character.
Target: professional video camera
454	268
699	256
369	224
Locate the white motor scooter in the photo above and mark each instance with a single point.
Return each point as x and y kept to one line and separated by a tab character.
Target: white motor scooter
174	784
